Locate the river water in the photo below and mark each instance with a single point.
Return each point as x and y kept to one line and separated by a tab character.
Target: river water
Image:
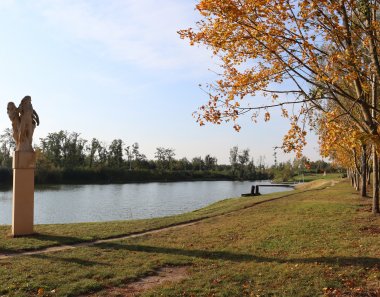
97	203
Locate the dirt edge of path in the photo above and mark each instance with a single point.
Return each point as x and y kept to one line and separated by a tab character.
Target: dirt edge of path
172	274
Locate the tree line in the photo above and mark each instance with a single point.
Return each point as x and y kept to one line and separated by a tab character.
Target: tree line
67	157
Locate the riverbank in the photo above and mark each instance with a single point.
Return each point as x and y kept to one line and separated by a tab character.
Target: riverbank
307	242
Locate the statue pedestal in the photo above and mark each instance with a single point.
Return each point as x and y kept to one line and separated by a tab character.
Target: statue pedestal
23	193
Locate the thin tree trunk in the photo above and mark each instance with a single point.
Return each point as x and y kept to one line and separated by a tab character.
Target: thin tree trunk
375	198
378	166
369	171
363	190
369	167
375	180
356	171
374	56
356	180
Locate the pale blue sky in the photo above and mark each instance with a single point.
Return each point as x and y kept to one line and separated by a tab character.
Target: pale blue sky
117	69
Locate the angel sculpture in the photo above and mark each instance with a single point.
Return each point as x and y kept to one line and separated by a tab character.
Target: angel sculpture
24	120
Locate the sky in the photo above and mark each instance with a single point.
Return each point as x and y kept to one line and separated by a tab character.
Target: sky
118	69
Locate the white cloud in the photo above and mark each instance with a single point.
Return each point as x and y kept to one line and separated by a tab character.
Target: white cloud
142	33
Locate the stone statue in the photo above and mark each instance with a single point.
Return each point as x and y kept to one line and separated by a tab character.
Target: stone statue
15	119
24	120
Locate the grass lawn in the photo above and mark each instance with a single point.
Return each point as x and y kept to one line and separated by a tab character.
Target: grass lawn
313	242
307	177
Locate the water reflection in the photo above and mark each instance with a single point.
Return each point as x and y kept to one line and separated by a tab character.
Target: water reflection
94	203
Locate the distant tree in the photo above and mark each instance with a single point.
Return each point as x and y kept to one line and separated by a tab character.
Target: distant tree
102	155
261	163
137	156
115	154
164	157
160	156
52	147
197	163
284	171
7	146
252	169
169	155
128	151
321	166
234	153
73	150
135	150
243	158
93	149
183	164
140	161
210	162
63	149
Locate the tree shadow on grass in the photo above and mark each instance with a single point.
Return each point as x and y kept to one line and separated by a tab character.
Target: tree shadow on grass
6	251
70	260
40	241
59	239
369	262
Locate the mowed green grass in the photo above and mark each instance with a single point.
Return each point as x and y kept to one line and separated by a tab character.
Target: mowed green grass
307	177
310	243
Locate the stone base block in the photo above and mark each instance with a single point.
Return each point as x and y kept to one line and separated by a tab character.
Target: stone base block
23	193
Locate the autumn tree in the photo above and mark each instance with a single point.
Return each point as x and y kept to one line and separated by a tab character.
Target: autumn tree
345	145
306	52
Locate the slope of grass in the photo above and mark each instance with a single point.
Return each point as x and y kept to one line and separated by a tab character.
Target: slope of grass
311	243
308	177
